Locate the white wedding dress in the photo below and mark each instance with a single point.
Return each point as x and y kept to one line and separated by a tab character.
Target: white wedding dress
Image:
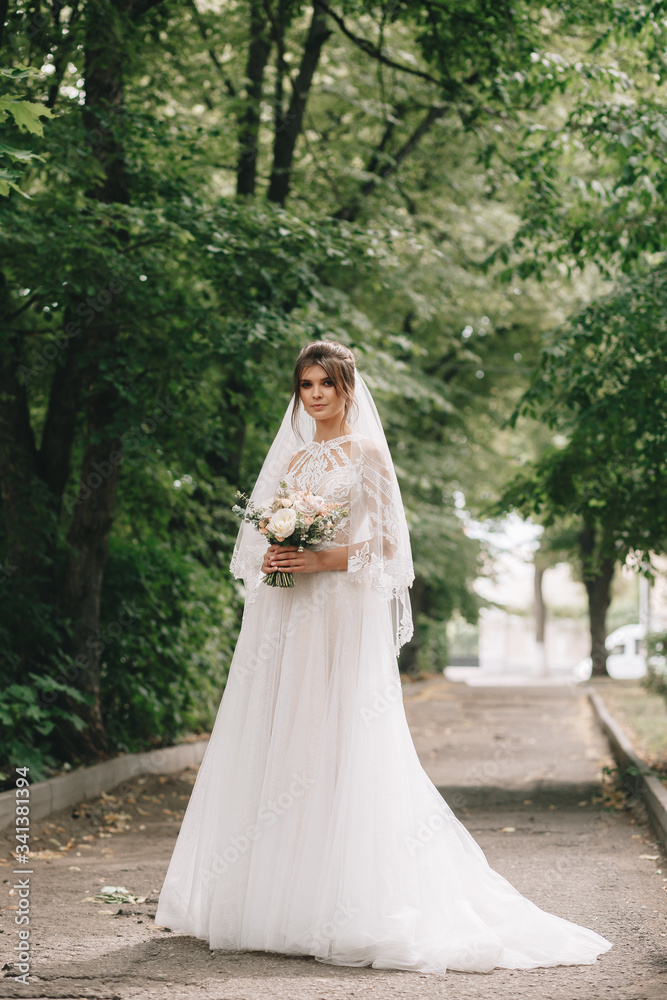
312	828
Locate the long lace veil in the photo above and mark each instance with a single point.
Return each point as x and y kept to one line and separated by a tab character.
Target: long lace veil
379	542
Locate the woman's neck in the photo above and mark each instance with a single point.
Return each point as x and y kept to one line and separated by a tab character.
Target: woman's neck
327	431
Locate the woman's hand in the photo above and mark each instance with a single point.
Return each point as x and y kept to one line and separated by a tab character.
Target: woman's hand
288	559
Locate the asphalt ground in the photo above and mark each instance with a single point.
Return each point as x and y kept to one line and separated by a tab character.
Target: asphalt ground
522	767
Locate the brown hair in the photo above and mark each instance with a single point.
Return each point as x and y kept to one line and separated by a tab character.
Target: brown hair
339	364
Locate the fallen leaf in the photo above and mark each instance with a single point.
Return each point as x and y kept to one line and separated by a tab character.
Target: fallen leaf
117	894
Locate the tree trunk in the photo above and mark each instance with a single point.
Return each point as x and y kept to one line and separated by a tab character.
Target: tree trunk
55	453
540	619
93	510
288	131
598	571
88	541
258	54
599	596
26	504
17	464
540	611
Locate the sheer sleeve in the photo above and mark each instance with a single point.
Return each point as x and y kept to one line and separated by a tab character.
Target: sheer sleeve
379	545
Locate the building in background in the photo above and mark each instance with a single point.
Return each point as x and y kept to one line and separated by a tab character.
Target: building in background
508	630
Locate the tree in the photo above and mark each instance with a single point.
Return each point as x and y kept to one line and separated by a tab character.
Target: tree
600	388
219	189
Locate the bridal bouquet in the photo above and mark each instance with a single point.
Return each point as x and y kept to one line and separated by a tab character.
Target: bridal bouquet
291	517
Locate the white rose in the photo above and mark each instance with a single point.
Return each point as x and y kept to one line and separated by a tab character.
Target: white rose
283	522
310	505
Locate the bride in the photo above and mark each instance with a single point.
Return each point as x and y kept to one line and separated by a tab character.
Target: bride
312	828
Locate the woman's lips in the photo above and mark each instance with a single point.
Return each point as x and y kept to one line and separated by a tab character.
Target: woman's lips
317	406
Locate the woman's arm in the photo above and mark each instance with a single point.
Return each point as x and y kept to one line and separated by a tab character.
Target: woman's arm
288	559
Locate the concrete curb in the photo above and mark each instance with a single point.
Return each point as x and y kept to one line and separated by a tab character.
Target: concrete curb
48	796
651	789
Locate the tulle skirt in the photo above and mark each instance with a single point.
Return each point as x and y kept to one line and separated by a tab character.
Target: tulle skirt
313	829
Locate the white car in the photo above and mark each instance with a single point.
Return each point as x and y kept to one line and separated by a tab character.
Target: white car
626	655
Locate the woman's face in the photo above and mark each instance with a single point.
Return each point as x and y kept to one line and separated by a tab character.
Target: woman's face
318	395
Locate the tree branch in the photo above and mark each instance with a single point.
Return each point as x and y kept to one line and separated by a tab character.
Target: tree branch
393	162
372	50
26	305
231	89
289	129
259	50
137	8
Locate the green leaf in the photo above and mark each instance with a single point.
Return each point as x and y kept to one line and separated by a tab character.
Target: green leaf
18	154
26	114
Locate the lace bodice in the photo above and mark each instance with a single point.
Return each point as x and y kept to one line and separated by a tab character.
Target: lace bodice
326	469
355	470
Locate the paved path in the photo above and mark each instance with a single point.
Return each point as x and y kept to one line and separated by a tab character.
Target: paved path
520	766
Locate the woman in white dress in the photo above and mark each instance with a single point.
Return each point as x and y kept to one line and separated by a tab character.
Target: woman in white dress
312	828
